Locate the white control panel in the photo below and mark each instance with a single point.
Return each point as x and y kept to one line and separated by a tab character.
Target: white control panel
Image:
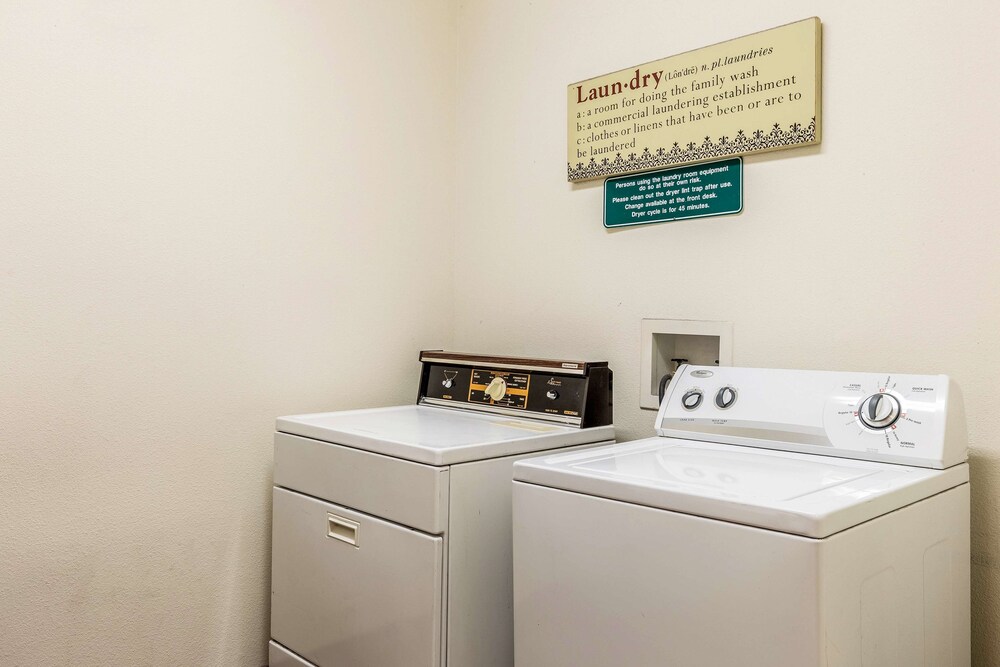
914	420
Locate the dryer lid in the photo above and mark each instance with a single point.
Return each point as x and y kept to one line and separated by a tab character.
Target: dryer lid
437	436
803	494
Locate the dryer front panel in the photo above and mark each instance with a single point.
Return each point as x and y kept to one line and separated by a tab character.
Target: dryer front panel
349	589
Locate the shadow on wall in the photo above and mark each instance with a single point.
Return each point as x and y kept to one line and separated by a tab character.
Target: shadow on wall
984	470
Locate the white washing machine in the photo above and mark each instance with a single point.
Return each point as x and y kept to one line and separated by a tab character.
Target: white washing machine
780	519
392	526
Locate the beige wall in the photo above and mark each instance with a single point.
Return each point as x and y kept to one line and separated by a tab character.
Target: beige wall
206	221
875	251
196	235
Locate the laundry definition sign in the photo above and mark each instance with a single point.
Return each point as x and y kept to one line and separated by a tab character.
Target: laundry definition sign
696	191
753	94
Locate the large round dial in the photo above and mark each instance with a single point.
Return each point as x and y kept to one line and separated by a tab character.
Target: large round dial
879	411
496	389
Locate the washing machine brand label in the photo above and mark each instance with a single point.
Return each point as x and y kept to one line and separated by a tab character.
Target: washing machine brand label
702	374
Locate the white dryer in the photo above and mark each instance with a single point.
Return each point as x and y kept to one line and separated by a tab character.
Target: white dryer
780	519
391	542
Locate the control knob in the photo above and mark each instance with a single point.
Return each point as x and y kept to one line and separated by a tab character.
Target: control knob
725	398
691	399
496	389
879	411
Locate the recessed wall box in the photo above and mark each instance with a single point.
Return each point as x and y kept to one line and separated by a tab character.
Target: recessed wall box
699	342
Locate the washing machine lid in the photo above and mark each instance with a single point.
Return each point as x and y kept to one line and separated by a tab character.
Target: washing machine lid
438	436
803	494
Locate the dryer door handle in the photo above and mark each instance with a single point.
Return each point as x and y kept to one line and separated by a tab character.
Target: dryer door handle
342	529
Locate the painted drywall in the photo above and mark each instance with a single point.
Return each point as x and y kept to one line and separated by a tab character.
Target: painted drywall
875	251
211	214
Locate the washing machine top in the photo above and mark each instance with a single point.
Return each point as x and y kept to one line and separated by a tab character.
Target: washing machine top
916	420
802	494
804	452
438	435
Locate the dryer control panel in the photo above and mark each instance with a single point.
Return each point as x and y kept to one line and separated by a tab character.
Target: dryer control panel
915	420
575	393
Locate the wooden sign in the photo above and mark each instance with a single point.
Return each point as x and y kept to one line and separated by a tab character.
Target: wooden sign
748	95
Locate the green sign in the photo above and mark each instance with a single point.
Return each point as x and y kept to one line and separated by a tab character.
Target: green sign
694	191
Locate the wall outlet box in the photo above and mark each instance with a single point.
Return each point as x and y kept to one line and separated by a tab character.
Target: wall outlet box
701	343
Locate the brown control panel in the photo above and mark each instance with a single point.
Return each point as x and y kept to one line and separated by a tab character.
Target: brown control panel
575	393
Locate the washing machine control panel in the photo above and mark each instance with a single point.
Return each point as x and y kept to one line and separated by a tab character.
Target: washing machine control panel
898	418
575	393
